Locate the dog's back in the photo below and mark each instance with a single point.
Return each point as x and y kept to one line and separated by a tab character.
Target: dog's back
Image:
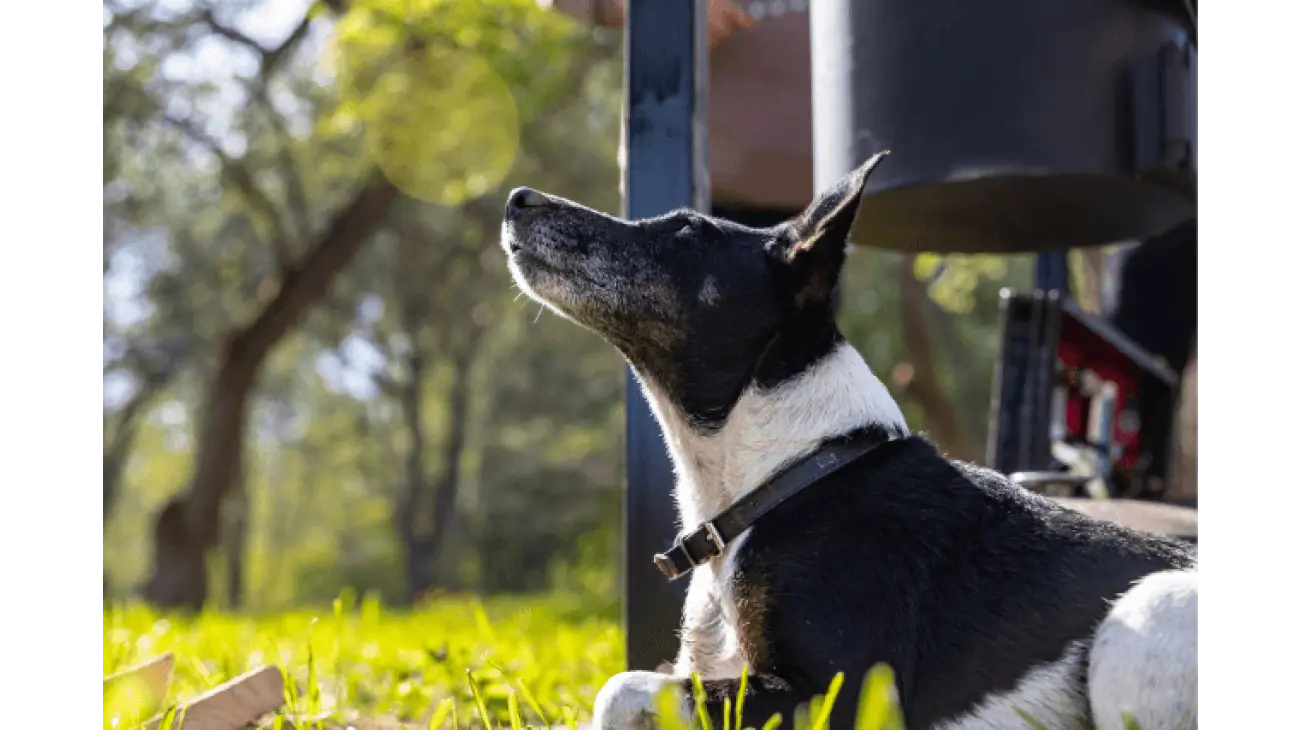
980	594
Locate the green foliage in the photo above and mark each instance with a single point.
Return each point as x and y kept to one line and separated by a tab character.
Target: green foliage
962	324
953	279
441	87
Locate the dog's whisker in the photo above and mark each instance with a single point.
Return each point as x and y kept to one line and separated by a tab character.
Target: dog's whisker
538	318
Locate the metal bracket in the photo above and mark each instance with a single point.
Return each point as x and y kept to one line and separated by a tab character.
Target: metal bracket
1163	88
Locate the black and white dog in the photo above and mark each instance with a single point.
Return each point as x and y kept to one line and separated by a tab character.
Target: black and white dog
984	598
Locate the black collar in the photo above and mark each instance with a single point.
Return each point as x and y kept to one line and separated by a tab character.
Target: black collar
711	538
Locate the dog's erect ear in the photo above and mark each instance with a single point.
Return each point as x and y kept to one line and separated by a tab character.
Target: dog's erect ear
818	236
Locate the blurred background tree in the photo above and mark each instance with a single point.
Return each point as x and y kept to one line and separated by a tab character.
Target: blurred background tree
317	373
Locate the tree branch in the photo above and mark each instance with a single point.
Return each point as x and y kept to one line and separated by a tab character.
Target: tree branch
268	58
156	371
295	192
238	175
308	281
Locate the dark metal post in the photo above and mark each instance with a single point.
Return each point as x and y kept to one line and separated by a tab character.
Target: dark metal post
1052	272
837	145
666	82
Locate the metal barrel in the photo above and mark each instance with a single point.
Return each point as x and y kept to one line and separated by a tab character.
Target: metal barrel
1014	125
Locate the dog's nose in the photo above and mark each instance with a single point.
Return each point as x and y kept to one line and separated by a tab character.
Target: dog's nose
522	199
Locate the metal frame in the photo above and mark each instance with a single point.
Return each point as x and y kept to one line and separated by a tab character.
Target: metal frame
666	88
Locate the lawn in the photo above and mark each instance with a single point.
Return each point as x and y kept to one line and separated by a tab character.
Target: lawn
518	662
366	665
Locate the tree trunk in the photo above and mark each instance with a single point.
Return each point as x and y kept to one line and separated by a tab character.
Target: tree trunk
233	544
924	385
183	537
424	518
419	569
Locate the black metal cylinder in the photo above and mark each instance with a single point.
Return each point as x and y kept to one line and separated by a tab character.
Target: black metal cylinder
1014	125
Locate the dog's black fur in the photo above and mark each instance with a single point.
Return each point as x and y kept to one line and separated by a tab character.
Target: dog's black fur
957	578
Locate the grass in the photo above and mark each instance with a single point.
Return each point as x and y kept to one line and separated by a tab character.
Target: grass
542	658
455	663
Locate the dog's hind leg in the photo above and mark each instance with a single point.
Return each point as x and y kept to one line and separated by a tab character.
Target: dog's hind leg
1143	658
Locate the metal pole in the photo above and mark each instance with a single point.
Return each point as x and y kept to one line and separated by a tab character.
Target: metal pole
1052	272
837	145
666	87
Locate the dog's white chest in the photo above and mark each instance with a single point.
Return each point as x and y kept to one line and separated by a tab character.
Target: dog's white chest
710	620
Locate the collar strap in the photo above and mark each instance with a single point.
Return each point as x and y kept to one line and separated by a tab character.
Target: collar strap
711	538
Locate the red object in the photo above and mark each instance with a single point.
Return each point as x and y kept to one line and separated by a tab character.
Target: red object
1081	348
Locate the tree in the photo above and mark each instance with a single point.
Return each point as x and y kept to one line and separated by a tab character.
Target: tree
434	322
287	225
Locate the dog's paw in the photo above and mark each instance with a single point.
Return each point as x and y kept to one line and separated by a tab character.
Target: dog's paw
628	701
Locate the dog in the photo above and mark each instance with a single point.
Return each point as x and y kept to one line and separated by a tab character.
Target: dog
987	601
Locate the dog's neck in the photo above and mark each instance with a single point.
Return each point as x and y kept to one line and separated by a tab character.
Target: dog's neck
768	429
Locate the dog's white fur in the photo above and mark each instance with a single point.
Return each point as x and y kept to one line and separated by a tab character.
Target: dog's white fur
627	701
1144	655
768	429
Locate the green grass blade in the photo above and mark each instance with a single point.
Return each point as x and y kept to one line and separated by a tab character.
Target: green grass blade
440	714
668	708
512	704
772	722
313	682
478	700
482	623
802	715
169	719
700	710
878	705
740	696
290	689
570	717
822	719
726	713
532	702
1130	722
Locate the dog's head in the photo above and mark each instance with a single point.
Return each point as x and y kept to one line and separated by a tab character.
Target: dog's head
701	307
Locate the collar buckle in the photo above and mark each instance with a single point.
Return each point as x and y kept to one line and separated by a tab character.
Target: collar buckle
715	537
